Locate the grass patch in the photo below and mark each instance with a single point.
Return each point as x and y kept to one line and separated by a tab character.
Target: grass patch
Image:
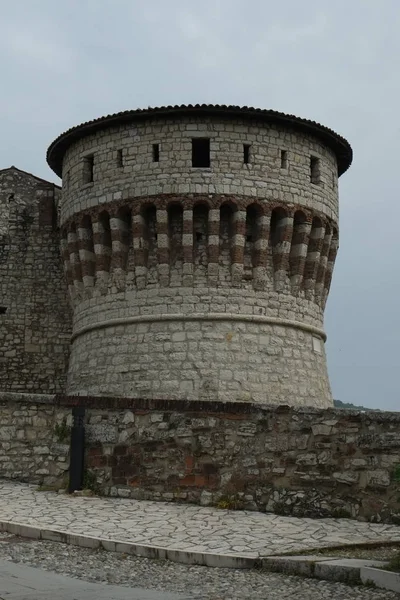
62	431
48	488
384	552
394	564
229	503
90	482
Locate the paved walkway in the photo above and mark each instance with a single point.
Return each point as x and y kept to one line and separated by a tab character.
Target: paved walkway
18	582
177	527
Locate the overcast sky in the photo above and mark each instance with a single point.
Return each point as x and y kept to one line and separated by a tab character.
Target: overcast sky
333	61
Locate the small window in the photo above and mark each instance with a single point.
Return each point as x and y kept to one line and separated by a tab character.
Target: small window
199	236
200	152
3	310
315	173
156	152
283	159
246	154
88	164
120	159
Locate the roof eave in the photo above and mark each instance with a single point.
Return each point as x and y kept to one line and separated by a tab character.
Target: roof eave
338	144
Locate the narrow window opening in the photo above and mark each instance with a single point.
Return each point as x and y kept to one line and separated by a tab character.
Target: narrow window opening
249	238
200	152
156	152
246	154
120	159
315	174
283	159
199	236
88	164
3	310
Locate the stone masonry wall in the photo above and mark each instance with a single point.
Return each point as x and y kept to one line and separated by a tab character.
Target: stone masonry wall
34	439
137	175
35	317
230	360
203	283
286	460
297	461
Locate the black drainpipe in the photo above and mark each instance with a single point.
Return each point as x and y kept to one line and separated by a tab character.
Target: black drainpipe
77	449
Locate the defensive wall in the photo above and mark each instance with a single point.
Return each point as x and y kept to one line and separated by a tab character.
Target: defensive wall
290	460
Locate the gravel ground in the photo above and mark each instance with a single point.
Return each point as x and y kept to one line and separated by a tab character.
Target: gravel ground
201	583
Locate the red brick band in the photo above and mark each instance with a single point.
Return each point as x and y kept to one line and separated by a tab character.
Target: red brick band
333	249
86	252
313	257
74	260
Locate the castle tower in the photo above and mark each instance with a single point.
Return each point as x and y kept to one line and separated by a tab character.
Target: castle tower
198	245
35	317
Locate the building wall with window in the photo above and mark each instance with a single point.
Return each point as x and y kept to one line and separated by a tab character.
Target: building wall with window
199	252
35	315
123	166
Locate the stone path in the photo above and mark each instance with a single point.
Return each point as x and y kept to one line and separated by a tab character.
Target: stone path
185	528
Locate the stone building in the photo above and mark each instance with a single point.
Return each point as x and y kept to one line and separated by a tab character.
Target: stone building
35	317
198	245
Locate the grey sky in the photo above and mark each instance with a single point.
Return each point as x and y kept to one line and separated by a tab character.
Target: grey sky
336	62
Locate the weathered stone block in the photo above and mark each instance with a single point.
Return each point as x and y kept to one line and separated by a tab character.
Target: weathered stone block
349	477
321	429
377	478
128	417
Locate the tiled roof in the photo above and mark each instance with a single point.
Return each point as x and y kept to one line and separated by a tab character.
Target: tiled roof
337	143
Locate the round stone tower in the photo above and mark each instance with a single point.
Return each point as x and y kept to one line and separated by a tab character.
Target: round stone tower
199	244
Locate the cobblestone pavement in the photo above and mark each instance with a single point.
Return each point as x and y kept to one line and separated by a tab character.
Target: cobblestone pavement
19	582
197	583
182	527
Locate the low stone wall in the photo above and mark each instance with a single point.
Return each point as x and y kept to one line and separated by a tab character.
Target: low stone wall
34	439
303	462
